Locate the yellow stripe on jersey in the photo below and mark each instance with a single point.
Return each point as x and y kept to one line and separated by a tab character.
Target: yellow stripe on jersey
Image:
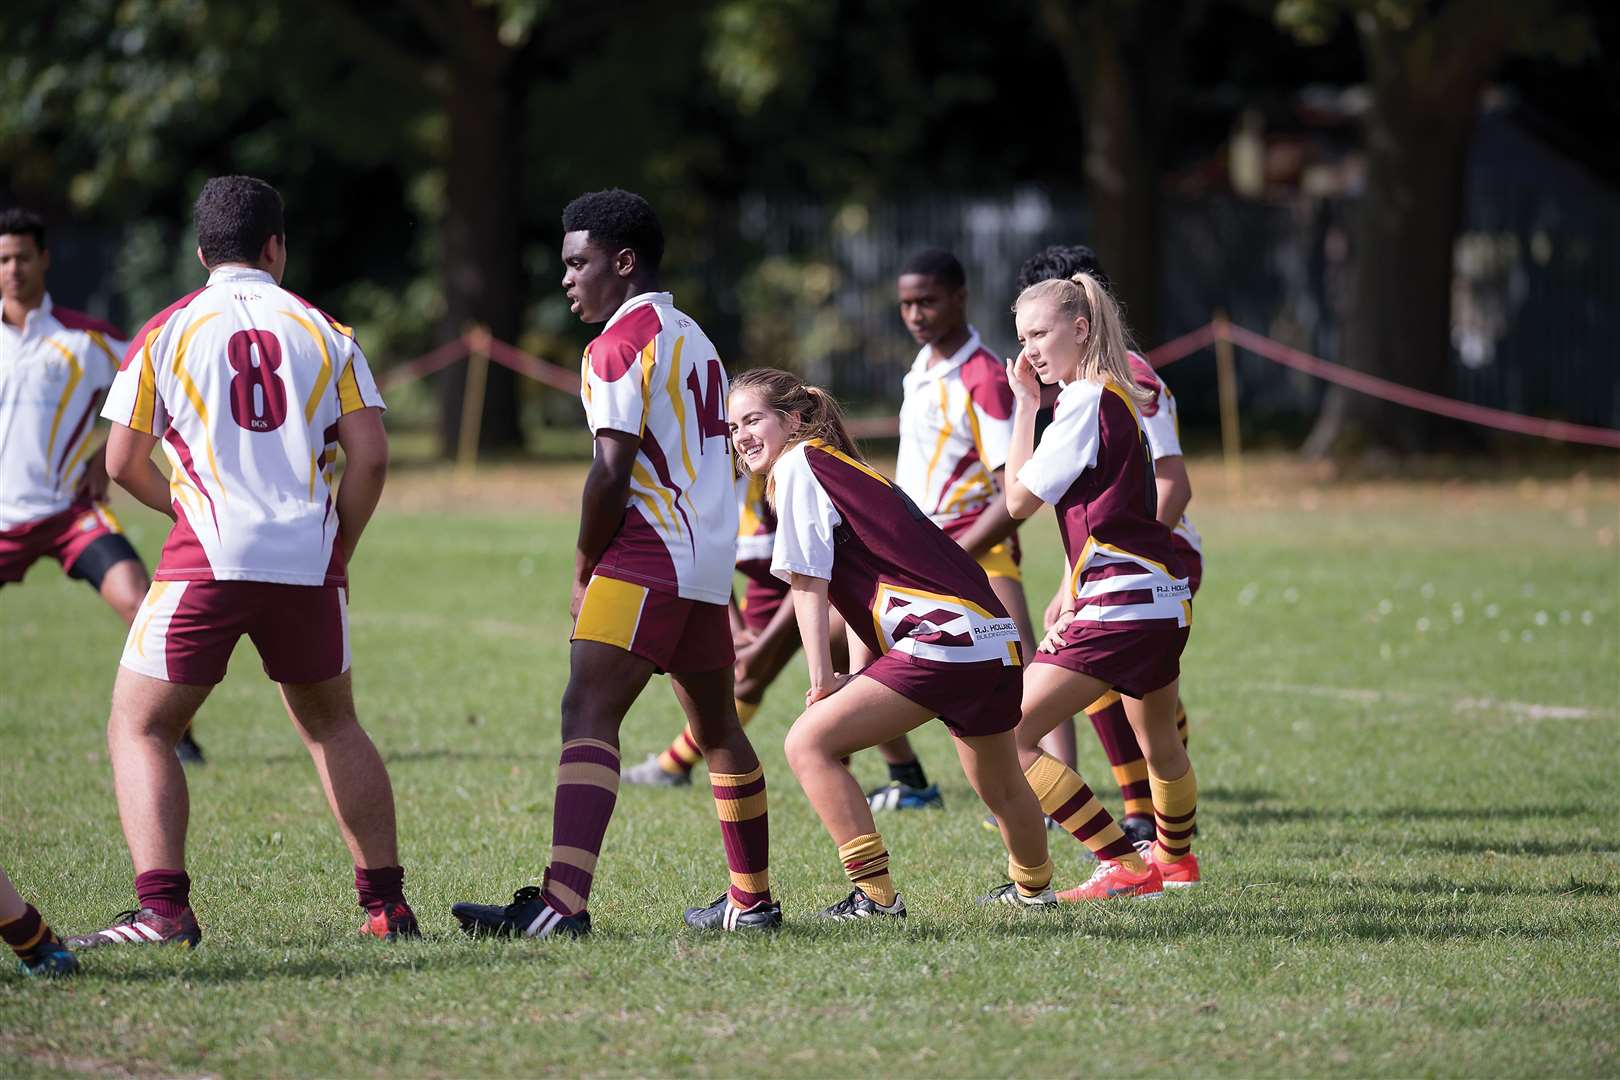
75	374
100	341
196	398
80	454
972	484
649	360
639	473
143	417
944	434
748	523
923	594
827	448
349	399
313	402
1126	398
677	399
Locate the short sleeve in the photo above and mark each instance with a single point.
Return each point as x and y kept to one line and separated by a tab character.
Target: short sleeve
133	399
356	387
1068	447
990	399
805	520
1159	414
615	388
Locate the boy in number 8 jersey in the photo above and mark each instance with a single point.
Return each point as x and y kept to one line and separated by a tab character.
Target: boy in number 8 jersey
252	391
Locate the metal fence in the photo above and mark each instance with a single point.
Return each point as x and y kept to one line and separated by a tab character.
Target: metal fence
1536	298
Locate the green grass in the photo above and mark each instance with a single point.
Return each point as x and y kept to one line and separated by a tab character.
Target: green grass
1404	723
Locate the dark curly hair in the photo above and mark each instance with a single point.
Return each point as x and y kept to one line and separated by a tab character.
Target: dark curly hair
938	264
234	216
617	219
1061	262
15	221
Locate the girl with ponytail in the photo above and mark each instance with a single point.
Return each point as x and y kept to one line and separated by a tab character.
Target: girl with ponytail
927	637
1127	604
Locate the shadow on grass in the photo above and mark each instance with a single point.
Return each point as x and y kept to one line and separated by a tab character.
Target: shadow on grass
411	757
1452	887
1274	815
1480	845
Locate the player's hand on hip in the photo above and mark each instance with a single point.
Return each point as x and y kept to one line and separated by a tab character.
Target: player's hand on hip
576	600
1053	610
816	693
1054	635
94	483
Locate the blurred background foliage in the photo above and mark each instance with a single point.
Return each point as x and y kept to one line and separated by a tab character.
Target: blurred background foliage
425	149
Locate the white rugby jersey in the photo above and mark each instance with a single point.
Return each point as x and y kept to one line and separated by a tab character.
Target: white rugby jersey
955	423
654	374
1162	425
756	523
54	371
244	382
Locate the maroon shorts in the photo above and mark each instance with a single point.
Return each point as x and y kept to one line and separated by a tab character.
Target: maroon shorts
1192	563
674	633
63	537
761	602
1135	662
981	698
185	631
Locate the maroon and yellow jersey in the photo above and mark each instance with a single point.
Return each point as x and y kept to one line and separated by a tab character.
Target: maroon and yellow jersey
1093	466
756	530
897	579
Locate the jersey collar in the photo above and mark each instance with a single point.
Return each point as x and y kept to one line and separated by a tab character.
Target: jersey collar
239	273
921	369
37	321
637	300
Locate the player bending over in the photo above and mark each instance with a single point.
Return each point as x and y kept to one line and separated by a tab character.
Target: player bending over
652	575
251	390
1174	490
39	951
1127	608
927	635
55	366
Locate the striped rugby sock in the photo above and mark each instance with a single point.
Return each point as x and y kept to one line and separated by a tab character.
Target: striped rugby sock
1175	804
866	864
681	756
1031	880
739	801
27	934
587	788
1067	800
1108	719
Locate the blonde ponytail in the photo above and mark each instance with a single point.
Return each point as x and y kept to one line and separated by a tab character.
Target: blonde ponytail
1105	356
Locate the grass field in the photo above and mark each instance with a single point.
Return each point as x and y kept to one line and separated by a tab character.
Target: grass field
1404	714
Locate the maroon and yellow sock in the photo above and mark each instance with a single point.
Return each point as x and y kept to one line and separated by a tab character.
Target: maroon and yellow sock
1118	740
27	935
1181	722
681	756
866	864
587	788
739	800
1031	880
1175	808
1066	799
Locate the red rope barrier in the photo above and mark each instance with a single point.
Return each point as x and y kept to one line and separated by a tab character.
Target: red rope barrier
888	427
1386	390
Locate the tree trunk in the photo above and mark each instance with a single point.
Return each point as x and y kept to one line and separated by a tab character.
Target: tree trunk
1115	93
1426	84
482	246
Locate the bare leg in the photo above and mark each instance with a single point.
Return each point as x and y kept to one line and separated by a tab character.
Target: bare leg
11	904
148	717
709	702
992	767
351	770
1051	695
1153	718
123	587
864	713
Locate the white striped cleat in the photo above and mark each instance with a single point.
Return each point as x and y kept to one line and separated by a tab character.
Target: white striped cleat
526	916
143	927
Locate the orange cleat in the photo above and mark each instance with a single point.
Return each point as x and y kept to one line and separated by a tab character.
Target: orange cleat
1113	881
1181	874
392	923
